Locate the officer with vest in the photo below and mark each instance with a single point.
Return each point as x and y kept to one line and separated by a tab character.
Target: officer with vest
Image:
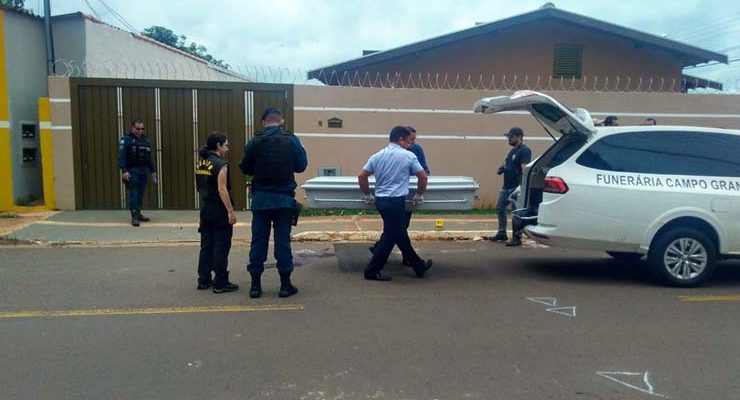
217	216
136	164
272	158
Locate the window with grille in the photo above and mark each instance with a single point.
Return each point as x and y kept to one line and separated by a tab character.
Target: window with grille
566	61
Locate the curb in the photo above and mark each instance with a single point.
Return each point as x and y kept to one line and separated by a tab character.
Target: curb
371	236
309	236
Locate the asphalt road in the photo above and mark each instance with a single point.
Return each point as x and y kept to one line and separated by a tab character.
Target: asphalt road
488	322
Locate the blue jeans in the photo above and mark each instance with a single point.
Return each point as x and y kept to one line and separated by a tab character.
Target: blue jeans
501	204
262	221
136	187
393	212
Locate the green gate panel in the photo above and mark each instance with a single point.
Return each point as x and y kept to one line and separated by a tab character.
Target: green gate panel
188	112
97	116
178	148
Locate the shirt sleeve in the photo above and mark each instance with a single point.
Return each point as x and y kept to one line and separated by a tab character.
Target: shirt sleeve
370	165
525	156
152	164
414	166
301	159
122	165
247	164
419	151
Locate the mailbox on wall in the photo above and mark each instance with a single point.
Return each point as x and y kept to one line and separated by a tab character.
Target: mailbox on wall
29	130
29	156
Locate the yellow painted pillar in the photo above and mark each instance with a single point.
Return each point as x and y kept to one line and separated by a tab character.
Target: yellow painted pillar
6	162
47	153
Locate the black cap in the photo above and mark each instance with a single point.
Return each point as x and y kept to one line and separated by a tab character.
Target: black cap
515	131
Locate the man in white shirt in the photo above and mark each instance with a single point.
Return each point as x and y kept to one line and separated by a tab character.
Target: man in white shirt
392	167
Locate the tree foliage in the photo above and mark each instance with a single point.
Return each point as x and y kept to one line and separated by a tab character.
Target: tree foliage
17	4
170	38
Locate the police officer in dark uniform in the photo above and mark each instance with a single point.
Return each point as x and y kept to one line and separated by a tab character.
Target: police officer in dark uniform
217	216
136	163
272	157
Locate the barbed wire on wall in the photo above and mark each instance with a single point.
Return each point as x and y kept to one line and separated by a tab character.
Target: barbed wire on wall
145	70
397	80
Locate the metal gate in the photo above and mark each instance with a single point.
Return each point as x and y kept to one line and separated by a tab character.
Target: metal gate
179	116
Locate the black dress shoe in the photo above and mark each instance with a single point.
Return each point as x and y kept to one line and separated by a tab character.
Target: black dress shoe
500	237
378	277
421	269
204	286
228	287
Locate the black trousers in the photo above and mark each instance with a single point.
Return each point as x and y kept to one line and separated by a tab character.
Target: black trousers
395	233
215	244
408	222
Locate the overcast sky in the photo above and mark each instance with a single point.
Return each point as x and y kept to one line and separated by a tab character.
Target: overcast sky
308	34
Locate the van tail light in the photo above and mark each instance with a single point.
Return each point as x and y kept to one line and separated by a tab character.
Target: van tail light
554	184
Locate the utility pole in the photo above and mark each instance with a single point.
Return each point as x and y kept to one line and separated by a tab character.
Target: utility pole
50	68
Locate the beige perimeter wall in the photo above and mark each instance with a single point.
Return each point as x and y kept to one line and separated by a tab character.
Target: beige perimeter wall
458	142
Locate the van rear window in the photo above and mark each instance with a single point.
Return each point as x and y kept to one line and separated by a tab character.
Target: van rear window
565	148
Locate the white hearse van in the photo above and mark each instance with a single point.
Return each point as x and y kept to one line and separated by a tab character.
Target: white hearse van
671	193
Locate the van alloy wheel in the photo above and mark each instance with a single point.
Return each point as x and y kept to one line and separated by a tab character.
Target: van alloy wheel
682	256
685	258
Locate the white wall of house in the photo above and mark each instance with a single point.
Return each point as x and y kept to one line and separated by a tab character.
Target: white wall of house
26	70
90	48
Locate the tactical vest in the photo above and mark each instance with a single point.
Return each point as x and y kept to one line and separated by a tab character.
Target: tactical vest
206	178
274	160
138	152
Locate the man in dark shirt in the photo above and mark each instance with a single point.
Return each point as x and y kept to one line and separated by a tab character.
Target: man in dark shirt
511	169
272	158
419	151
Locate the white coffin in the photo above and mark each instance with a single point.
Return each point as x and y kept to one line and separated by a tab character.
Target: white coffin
443	192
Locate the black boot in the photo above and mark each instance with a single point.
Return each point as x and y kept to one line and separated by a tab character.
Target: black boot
286	288
142	218
134	218
255	291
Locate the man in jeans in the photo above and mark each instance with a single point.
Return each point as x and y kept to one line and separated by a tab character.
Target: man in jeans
511	169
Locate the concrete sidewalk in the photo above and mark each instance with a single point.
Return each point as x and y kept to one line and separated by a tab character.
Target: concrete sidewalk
113	227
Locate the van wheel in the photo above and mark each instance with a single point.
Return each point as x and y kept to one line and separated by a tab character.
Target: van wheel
683	257
625	256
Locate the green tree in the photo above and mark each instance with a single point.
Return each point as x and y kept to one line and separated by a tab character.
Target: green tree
17	4
170	38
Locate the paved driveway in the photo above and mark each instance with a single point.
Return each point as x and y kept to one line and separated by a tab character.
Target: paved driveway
488	322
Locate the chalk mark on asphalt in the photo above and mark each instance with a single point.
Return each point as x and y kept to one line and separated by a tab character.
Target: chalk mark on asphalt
103	312
567	311
649	390
548	301
552	302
